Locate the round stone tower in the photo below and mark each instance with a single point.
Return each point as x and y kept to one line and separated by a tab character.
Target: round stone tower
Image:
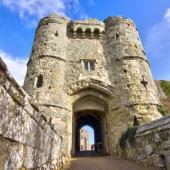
135	95
46	67
45	77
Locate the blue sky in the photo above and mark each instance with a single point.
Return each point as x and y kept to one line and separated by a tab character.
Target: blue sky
18	20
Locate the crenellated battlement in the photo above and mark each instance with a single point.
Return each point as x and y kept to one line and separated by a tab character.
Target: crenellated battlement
91	29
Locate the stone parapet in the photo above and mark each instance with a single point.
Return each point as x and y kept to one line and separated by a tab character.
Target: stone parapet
151	144
27	139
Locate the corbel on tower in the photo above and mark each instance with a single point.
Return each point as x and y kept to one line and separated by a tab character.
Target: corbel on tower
100	35
74	33
92	34
83	34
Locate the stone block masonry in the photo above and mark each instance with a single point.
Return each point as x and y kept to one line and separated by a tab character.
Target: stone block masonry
72	62
152	144
27	140
79	73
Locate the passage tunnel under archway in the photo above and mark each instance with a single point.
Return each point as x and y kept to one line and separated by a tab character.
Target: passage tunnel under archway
90	111
91	120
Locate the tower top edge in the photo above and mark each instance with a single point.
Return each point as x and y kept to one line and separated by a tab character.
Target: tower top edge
118	20
90	21
54	17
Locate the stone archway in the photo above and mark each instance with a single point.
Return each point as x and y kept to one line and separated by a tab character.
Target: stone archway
91	108
93	119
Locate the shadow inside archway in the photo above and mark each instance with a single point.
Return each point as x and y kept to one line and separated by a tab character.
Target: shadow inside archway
88	154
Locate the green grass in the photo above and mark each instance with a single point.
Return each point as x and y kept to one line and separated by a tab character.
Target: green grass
166	87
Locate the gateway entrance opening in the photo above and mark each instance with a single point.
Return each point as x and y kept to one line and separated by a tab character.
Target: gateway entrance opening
90	111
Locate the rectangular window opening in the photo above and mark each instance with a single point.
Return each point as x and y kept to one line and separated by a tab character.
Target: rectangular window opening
39	82
89	65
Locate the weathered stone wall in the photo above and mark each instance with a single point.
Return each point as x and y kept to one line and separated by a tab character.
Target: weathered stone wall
152	142
121	72
48	59
27	139
135	93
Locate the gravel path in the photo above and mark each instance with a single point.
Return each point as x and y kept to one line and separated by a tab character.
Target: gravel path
104	163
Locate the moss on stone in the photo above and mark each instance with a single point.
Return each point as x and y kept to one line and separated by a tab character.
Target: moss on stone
128	135
162	109
166	87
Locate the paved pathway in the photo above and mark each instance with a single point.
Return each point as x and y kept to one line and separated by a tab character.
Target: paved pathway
104	163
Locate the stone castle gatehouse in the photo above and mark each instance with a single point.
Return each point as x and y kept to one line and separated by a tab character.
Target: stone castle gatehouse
91	73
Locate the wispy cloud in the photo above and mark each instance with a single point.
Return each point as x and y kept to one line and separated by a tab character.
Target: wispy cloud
37	8
158	47
33	10
16	66
30	11
167	15
75	9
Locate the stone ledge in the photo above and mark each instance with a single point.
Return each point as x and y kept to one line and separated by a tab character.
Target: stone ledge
24	131
153	125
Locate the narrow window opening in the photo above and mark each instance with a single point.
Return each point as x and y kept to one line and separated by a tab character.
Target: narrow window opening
96	34
56	34
128	85
125	71
117	36
135	121
88	33
89	65
144	82
39	81
163	162
79	33
70	33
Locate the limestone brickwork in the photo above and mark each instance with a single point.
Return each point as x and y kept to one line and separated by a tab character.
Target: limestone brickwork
152	144
85	63
27	139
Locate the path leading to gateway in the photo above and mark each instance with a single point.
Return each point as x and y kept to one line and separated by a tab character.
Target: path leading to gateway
104	163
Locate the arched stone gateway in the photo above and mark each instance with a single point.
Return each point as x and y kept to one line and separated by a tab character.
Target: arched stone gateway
91	110
90	107
80	73
88	118
94	73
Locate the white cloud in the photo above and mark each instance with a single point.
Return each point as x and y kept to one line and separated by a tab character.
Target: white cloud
167	15
16	66
31	11
157	46
37	8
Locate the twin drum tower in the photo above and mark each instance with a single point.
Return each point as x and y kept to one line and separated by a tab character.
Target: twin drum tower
91	73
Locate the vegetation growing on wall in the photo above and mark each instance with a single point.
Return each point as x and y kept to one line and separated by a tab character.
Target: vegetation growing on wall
162	109
166	87
128	135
